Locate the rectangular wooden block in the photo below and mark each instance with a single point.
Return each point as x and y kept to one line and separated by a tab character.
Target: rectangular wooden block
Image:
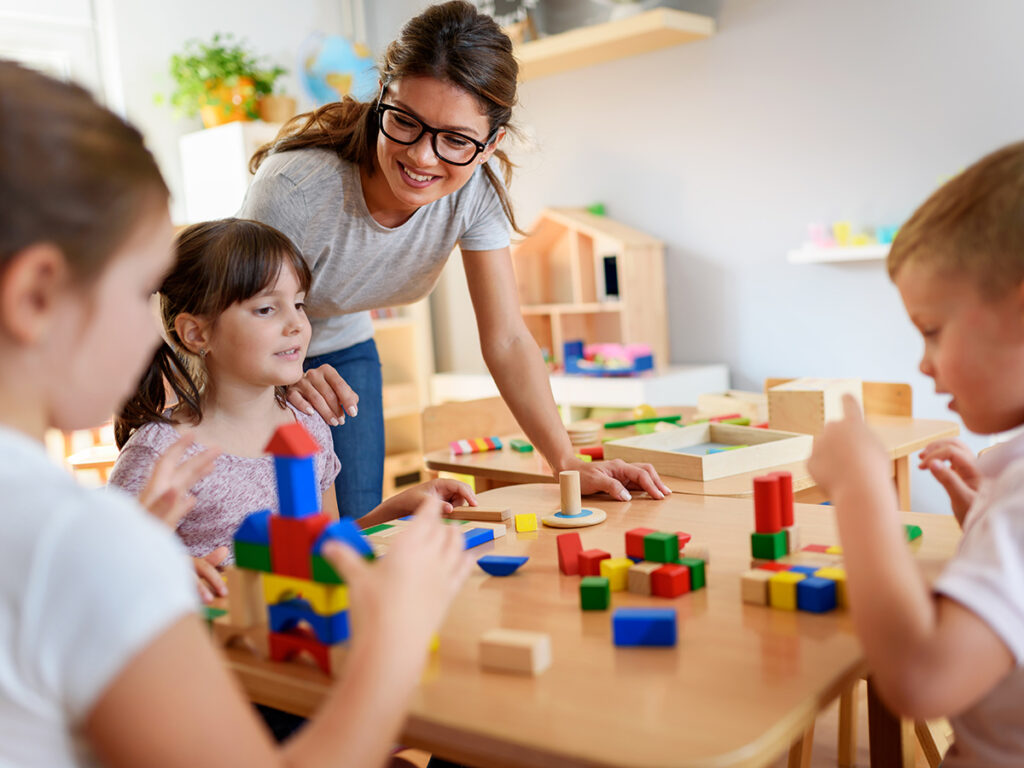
245	597
569	548
754	586
677	453
644	626
526	522
638	578
616	570
805	405
482	514
782	589
513	650
792	539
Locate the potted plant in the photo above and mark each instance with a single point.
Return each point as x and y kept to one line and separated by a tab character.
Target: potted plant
220	80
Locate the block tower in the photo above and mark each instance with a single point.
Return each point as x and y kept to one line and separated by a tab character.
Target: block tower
775	534
306	601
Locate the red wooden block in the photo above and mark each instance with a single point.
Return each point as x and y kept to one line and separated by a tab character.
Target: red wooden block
635	542
590	561
785	496
596	452
684	539
491	444
287	645
767	514
569	548
823	548
670	581
773	567
291	543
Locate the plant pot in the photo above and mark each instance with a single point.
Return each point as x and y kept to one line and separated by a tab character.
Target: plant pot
228	103
277	109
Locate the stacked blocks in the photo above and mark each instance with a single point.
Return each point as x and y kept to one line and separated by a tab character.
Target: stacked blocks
307	602
475	445
616	570
590	562
768	541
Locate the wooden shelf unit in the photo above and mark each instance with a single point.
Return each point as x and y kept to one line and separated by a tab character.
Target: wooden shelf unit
582	276
586	46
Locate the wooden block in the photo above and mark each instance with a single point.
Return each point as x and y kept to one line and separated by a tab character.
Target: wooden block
754	586
661	547
526	522
836	550
699	551
590	561
805	405
698	572
635	542
291	542
616	570
595	593
816	595
792	538
752	405
644	626
245	597
482	514
785	496
782	589
325	599
569	548
670	581
768	546
767	512
768	565
513	650
838	575
638	579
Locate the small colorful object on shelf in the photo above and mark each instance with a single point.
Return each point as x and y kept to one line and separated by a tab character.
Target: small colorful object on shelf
475	445
607	359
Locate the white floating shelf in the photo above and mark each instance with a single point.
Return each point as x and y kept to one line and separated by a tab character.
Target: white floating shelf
810	254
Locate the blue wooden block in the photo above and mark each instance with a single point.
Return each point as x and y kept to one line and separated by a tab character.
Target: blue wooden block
328	629
816	594
644	626
807	570
347	532
477	536
255	529
501	565
297	494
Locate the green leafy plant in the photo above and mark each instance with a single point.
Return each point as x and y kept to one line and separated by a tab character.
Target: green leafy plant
202	69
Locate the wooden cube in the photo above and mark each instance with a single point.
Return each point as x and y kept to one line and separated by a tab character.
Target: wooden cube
513	650
805	405
595	593
670	581
782	589
638	579
590	561
616	570
635	542
526	522
754	586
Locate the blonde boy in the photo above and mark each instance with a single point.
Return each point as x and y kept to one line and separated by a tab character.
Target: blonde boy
955	649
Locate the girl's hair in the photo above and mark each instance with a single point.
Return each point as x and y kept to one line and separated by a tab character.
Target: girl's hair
452	42
72	173
217	264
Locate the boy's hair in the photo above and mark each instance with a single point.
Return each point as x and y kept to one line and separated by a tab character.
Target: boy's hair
973	225
217	264
452	42
72	173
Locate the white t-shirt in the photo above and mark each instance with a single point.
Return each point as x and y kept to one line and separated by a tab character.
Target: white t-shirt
987	577
87	580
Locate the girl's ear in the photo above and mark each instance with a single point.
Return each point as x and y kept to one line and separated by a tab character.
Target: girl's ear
31	286
486	154
194	332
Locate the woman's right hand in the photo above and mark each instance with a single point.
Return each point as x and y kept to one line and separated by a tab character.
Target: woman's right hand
322	390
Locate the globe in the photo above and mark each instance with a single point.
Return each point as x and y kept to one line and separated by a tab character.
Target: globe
333	67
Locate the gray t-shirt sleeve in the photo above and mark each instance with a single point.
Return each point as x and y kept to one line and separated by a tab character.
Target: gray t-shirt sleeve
488	228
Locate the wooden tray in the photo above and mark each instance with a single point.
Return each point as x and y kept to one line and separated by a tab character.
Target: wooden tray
667	451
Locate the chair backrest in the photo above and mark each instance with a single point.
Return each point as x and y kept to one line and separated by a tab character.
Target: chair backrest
466	419
881	398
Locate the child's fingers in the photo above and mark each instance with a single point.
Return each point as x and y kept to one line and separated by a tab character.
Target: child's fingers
956	487
346	561
163	469
851	408
218	556
209	575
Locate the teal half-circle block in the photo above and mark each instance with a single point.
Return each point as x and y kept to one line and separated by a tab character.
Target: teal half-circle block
255	529
347	532
501	565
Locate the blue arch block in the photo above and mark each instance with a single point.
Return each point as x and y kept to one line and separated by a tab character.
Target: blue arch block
329	630
501	565
347	532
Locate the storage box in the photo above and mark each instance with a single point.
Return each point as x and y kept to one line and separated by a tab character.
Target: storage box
751	405
684	452
805	405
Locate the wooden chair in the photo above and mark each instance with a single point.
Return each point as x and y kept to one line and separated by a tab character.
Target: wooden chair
97	457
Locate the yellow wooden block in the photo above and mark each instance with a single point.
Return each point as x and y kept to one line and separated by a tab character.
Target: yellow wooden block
782	589
526	522
481	444
325	599
616	570
435	642
838	575
836	550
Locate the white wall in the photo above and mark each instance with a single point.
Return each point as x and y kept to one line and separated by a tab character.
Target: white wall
796	111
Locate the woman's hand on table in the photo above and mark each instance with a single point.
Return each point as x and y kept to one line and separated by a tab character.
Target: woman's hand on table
617	477
322	390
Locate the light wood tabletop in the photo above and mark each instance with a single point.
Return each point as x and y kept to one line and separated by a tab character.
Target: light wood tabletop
743	683
900	436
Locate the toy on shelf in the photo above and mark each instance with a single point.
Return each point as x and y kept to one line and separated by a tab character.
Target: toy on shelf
475	445
513	650
572	514
607	359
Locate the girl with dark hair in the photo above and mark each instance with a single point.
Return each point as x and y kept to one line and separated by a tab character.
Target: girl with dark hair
376	196
233	313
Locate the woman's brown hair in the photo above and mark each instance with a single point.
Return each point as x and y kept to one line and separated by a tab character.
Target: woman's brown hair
72	173
452	42
217	264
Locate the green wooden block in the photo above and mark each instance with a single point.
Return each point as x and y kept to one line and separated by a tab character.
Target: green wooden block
520	445
323	572
645	429
661	547
913	532
377	529
768	546
595	593
739	421
210	613
255	557
698	574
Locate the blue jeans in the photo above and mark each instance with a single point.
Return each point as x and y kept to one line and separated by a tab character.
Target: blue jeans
359	442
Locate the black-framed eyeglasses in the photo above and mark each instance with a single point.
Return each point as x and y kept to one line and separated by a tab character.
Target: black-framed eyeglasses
450	146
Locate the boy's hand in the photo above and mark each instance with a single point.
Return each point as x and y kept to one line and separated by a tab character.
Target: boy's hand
614	477
166	495
322	390
956	468
208	579
847	452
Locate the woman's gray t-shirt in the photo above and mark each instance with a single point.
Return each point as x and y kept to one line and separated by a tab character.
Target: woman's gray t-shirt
316	199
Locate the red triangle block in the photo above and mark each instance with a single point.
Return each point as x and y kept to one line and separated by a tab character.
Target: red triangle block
292	440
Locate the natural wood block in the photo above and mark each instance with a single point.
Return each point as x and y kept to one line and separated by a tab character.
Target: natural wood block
246	607
805	405
481	514
514	650
792	538
751	405
699	551
754	586
638	578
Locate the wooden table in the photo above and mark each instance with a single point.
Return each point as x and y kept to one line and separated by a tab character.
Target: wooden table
900	436
742	685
